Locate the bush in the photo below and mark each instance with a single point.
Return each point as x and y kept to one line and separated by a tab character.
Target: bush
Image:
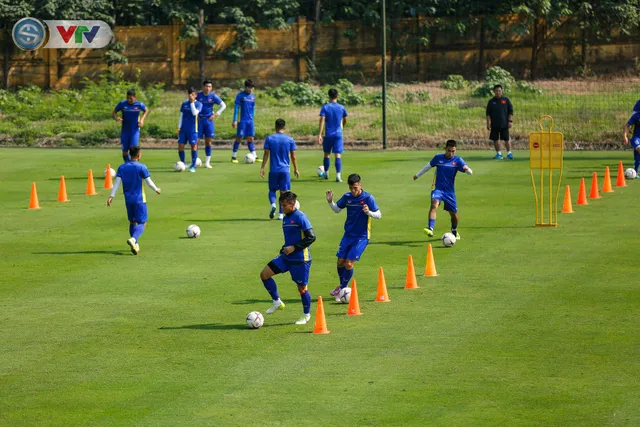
417	96
376	99
528	87
348	95
454	82
492	77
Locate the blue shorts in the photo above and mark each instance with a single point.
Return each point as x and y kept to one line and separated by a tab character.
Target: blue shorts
205	128
137	212
449	200
245	129
635	141
333	143
351	248
188	138
279	181
299	271
129	139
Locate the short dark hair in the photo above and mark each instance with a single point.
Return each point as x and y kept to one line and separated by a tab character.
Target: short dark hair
287	196
354	178
451	143
497	86
207	82
134	151
280	124
131	92
248	83
333	93
191	90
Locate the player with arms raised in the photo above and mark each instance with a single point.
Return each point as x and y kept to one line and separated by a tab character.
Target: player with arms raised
206	117
131	122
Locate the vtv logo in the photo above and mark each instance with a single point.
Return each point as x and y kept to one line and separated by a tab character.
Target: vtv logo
78	31
78	34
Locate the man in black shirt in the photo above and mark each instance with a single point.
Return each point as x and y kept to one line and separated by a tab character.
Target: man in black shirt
499	119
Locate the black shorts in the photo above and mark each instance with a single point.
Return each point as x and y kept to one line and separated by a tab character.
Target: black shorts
499	133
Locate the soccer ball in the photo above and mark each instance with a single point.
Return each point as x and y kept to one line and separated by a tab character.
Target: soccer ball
345	295
249	158
320	171
113	173
193	231
255	320
448	240
198	162
630	174
179	167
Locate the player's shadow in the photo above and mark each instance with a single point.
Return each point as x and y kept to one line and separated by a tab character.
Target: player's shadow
262	301
219	326
82	253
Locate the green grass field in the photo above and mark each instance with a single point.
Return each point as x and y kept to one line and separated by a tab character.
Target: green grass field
523	326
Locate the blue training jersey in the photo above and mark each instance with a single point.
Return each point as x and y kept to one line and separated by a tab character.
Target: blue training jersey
358	223
280	146
130	114
293	226
634	122
446	172
133	175
333	114
246	102
189	121
208	101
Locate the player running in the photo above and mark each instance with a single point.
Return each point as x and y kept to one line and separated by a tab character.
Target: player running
633	125
188	127
244	106
499	120
361	207
448	165
334	115
131	175
131	122
294	257
206	117
280	147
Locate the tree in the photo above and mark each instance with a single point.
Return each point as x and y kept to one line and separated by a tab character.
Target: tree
10	12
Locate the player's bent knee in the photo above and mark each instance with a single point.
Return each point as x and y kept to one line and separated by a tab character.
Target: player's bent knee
302	289
266	273
341	262
349	264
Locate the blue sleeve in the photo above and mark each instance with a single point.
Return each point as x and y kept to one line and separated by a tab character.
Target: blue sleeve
636	107
118	107
292	144
323	112
216	99
304	222
432	163
373	206
266	143
461	165
144	172
236	110
635	117
198	105
342	203
143	107
344	112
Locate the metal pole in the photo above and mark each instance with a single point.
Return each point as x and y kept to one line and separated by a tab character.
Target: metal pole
384	75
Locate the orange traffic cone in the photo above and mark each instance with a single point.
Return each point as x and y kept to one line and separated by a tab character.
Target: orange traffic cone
62	192
91	188
321	323
430	269
354	304
620	182
594	194
582	194
382	288
108	181
33	200
566	207
606	187
411	282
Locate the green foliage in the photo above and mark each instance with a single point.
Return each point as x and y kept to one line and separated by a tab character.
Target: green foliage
454	82
376	99
347	94
494	76
416	96
528	87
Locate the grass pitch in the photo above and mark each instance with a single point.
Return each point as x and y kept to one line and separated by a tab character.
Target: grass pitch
523	326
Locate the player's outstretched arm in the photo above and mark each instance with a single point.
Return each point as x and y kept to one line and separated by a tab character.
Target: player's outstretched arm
467	170
422	171
116	185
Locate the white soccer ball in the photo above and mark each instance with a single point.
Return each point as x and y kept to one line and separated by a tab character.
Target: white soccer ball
249	158
320	171
193	231
113	173
448	240
255	320
345	295
179	167
198	162
630	174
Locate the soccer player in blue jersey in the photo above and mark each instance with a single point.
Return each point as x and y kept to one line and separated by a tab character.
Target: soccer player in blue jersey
131	175
361	207
131	122
188	127
447	166
278	148
206	117
294	257
334	115
633	125
245	103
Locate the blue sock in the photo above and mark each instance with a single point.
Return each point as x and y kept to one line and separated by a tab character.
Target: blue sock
138	229
131	228
305	296
636	160
272	196
236	146
207	150
194	157
126	158
341	271
272	288
280	208
327	164
346	277
182	156
251	146
339	164
432	223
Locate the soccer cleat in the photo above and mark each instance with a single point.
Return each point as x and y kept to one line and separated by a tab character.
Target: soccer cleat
457	235
234	160
281	216
335	292
510	156
338	298
428	232
498	157
272	213
208	166
192	169
275	306
325	175
258	160
338	179
135	248
304	318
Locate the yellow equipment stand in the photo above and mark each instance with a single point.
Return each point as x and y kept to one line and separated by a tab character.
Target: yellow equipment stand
546	151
